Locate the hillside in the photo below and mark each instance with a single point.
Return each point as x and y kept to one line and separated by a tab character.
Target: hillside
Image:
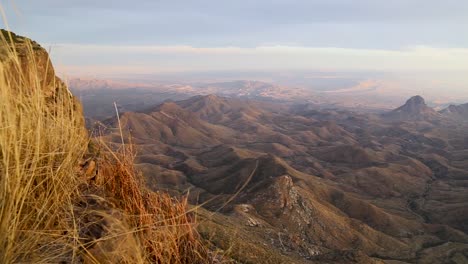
314	186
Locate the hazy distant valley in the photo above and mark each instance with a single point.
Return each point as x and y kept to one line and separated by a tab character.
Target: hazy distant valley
344	91
295	176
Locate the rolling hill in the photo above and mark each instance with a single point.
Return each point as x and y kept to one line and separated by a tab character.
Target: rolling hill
325	186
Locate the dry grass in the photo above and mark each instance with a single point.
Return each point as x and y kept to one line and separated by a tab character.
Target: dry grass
163	224
41	141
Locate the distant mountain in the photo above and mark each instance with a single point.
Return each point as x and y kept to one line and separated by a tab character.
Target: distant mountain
458	112
215	108
83	84
98	96
415	109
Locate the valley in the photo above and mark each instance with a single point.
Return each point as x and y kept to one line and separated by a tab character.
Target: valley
309	184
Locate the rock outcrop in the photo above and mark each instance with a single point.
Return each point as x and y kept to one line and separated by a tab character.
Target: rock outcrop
28	64
415	109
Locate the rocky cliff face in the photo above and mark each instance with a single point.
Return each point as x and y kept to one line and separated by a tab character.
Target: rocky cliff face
28	64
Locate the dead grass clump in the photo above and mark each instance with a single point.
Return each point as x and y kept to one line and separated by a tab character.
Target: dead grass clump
164	225
41	140
105	235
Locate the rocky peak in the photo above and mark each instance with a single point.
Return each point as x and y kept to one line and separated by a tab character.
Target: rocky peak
27	60
414	105
414	109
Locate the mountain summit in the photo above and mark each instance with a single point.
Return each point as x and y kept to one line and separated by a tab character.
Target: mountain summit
414	109
416	105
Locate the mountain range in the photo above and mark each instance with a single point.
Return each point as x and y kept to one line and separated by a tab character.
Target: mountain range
366	95
296	184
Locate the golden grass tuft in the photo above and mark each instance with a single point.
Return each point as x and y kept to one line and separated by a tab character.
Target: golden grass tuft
41	140
164	225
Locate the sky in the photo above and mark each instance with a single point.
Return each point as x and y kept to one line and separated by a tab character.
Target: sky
102	37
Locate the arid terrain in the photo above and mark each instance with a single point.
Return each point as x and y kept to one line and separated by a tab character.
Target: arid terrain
293	184
234	132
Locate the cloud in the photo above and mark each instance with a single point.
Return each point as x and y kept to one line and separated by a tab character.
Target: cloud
244	23
155	58
269	11
177	35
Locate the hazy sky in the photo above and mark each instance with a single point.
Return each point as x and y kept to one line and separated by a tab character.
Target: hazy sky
150	36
